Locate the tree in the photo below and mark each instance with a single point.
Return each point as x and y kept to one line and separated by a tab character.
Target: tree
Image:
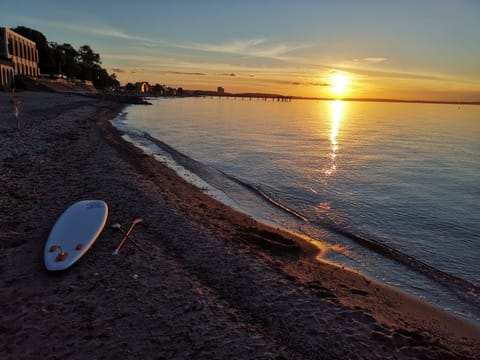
68	59
83	63
87	57
130	87
102	80
114	83
89	63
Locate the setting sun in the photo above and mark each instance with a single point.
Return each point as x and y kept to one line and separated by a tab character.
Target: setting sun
339	85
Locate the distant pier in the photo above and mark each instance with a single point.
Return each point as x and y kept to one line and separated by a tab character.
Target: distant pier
256	96
214	94
264	97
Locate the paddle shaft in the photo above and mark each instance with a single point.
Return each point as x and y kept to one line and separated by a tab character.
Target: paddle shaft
126	237
130	238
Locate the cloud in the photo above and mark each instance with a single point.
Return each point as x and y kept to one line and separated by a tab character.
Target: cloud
158	62
88	29
250	47
105	31
152	69
390	73
368	67
184	73
375	59
130	57
234	47
316	83
298	83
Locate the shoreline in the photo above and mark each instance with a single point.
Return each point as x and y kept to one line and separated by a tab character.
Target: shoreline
215	283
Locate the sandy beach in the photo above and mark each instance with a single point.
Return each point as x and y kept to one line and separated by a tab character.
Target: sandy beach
211	284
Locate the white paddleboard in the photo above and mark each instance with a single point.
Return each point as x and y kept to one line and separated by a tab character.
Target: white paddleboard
74	233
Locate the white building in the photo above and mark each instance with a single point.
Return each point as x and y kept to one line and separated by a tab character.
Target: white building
6	74
18	56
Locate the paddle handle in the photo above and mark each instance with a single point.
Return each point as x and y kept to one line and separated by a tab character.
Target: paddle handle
125	238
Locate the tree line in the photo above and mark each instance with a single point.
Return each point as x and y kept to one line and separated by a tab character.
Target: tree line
82	63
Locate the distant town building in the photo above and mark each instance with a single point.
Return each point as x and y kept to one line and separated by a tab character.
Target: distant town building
142	87
159	90
171	91
18	56
220	90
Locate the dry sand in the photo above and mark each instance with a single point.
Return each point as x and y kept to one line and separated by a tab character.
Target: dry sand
212	283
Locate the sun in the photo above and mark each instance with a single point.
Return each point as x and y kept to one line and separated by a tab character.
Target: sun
339	84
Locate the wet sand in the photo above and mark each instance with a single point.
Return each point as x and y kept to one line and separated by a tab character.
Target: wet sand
211	284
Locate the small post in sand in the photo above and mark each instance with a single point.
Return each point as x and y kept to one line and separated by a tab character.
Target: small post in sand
16	110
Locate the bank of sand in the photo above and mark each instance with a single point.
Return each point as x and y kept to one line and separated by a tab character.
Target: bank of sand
212	283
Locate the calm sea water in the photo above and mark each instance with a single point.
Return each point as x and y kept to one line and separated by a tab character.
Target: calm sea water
391	190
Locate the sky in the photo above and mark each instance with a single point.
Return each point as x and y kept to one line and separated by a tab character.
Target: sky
422	49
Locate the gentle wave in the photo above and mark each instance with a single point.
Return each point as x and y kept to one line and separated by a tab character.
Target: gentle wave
464	289
267	197
216	177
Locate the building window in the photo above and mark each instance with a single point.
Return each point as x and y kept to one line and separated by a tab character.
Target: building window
10	46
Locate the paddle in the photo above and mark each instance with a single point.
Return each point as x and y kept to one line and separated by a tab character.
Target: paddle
126	237
119	227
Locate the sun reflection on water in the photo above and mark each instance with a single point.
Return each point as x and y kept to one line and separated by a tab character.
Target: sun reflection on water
337	108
